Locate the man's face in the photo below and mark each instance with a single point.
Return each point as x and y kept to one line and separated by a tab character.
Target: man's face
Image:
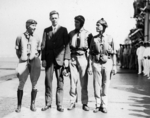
31	28
99	27
77	24
54	19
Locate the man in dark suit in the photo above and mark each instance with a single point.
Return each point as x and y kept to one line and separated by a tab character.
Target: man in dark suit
55	56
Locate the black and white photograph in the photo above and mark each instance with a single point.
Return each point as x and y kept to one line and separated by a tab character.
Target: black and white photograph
75	59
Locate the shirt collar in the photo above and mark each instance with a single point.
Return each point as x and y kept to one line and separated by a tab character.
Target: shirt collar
100	36
56	27
79	31
27	34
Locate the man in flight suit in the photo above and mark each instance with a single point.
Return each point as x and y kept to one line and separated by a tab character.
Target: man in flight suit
79	45
28	51
102	63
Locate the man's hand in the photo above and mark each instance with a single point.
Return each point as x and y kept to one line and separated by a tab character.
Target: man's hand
66	63
114	70
44	63
66	72
89	70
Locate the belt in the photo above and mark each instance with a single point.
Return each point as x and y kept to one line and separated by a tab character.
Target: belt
97	61
77	54
22	61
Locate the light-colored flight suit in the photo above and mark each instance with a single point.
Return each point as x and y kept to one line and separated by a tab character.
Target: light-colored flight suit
29	63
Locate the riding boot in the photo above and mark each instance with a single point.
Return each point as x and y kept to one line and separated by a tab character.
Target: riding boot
33	96
19	96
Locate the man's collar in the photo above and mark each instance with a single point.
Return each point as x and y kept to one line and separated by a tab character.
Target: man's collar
100	35
104	34
27	34
81	29
76	30
56	27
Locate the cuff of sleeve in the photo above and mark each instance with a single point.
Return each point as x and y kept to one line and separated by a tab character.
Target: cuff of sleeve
67	58
39	48
16	47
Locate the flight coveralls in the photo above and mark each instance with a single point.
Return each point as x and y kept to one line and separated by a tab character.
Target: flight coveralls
102	70
27	47
79	45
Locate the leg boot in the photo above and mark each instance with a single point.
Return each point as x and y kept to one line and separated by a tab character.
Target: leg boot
33	96
19	97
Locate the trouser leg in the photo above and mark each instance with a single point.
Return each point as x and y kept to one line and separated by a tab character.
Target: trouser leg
126	60
106	74
144	66
23	77
60	84
121	60
73	81
48	84
130	63
148	68
139	65
35	70
82	65
97	83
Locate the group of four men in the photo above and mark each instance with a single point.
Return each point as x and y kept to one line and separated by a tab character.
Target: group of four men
79	51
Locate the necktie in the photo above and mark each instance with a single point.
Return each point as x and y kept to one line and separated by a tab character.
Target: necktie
28	46
78	41
54	29
101	45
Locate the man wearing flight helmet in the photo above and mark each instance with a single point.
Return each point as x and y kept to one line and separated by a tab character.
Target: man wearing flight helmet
79	45
102	63
28	50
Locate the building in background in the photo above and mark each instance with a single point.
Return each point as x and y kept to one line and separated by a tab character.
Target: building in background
142	16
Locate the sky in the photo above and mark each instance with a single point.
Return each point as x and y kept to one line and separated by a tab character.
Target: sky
14	14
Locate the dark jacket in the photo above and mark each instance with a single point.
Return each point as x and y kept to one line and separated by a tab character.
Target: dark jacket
55	46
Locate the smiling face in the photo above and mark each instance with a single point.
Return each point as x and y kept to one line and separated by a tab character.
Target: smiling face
31	28
54	19
99	27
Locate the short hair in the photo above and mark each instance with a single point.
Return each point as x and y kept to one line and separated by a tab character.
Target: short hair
53	12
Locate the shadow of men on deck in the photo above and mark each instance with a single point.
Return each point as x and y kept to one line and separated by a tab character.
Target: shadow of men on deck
140	101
